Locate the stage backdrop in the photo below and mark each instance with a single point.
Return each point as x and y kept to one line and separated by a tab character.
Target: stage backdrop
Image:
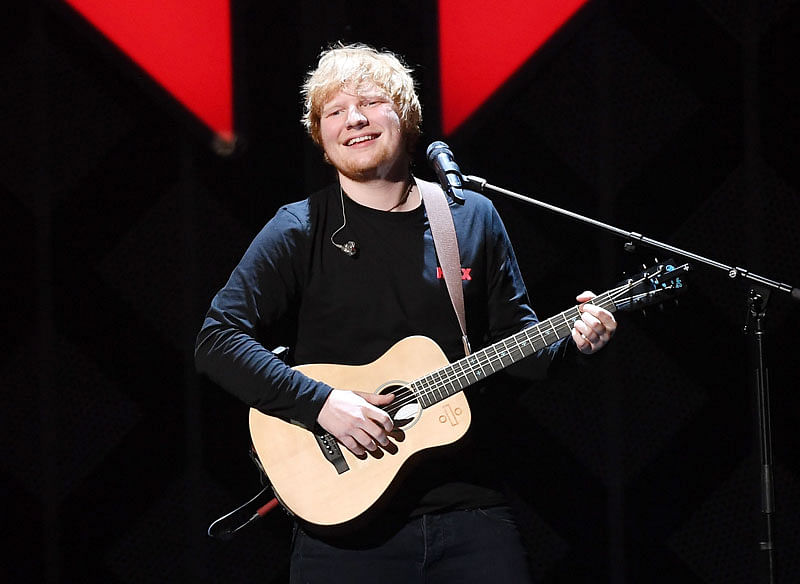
677	119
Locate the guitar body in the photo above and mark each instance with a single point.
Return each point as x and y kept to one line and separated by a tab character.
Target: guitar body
309	485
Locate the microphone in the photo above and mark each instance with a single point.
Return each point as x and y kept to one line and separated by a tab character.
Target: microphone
441	160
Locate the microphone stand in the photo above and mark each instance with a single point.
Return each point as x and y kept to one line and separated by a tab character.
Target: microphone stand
754	329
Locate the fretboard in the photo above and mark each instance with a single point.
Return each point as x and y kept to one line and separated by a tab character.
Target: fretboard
451	379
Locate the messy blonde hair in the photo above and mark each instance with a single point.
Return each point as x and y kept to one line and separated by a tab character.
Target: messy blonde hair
354	64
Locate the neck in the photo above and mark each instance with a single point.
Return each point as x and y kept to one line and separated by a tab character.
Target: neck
383	194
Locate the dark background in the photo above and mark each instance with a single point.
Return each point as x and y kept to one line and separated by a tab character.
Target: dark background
677	119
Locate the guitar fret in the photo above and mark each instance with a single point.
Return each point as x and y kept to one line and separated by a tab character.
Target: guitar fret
450	387
422	392
505	354
499	354
529	346
604	301
439	384
567	322
476	375
490	359
475	365
466	369
433	384
520	346
462	374
541	334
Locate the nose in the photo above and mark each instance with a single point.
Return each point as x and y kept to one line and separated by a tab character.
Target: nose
355	118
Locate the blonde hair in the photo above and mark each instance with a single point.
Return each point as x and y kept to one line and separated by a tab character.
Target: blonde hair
355	64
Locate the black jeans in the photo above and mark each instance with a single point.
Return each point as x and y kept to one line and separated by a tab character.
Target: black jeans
475	546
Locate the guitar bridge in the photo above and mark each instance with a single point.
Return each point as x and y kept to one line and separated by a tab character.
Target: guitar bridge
332	452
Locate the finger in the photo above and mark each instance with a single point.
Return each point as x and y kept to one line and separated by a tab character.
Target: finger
379	418
594	325
352	445
600	320
377	399
377	415
366	441
581	343
600	313
587	331
377	433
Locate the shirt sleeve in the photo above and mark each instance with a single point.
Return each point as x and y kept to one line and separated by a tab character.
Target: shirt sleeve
258	293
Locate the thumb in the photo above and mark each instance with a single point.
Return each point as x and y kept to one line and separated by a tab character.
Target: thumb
377	399
585	296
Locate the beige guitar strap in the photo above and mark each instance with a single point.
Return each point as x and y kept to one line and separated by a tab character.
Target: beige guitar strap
446	244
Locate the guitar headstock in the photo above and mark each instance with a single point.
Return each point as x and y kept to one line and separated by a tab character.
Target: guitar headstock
655	285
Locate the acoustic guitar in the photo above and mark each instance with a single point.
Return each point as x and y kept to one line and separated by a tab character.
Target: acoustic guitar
323	483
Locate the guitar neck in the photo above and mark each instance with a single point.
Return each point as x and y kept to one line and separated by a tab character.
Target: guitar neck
444	382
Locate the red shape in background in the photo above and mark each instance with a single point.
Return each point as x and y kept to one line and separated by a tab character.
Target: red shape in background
482	44
184	45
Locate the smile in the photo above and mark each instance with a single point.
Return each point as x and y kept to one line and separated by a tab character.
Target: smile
360	139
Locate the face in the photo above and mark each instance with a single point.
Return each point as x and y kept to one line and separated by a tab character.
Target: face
361	134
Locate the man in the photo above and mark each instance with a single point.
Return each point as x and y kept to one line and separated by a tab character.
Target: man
299	283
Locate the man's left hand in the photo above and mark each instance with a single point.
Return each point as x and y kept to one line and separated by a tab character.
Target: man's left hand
595	327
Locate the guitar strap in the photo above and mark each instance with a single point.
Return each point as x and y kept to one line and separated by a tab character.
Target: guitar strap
446	244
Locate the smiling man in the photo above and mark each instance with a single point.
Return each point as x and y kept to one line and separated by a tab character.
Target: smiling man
341	277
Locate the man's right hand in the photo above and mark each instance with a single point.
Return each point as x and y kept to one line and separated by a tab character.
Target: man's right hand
356	419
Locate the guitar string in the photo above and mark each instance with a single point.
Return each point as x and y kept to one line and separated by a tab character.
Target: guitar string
483	358
437	381
448	375
511	349
452	374
414	397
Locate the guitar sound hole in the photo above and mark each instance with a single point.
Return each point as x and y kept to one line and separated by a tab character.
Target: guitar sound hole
405	408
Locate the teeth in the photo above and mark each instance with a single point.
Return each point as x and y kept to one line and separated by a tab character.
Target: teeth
360	139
